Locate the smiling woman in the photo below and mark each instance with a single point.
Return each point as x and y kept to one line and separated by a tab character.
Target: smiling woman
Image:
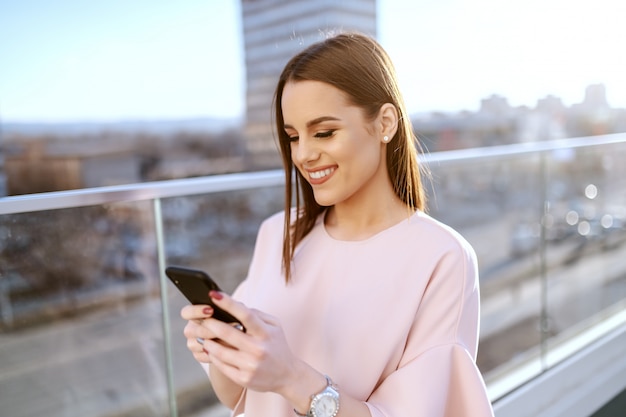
357	245
356	80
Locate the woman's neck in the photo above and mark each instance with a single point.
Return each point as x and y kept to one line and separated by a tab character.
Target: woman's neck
361	221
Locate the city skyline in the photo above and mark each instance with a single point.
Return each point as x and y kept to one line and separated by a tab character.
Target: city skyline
116	61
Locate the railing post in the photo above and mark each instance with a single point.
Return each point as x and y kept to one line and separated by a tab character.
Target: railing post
544	320
160	241
6	308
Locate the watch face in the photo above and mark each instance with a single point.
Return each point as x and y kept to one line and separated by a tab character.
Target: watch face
325	406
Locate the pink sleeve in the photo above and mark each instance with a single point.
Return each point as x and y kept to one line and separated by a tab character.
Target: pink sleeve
442	382
437	375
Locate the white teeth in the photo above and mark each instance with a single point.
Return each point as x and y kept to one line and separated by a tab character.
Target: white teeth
321	174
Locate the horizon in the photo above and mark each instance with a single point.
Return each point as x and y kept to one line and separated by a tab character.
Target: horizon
235	120
185	61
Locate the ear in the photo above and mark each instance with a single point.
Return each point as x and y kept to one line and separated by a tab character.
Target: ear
388	120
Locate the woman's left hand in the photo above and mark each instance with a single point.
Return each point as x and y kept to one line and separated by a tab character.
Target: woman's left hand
259	359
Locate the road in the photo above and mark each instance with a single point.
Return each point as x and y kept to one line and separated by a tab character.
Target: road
108	362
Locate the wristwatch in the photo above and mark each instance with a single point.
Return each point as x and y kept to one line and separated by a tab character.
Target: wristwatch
324	403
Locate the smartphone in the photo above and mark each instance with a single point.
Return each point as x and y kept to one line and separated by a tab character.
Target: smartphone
195	285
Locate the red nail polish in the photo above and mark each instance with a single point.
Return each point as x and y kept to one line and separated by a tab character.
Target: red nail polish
215	295
207	310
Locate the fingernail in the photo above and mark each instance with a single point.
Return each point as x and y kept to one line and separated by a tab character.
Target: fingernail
216	295
207	310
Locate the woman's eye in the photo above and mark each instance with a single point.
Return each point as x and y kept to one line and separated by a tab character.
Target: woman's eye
325	134
294	138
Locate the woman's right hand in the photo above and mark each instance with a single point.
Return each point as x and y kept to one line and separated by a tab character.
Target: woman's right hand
195	332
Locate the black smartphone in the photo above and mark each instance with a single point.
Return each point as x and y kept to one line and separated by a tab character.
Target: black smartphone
195	285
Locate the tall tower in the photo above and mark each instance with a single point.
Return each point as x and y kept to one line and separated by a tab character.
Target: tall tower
274	31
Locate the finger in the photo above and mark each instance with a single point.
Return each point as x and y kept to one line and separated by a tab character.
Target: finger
197	345
202	357
194	330
196	312
239	366
194	346
225	333
230	371
245	315
227	354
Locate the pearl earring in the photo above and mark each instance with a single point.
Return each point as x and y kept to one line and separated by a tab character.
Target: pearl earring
386	139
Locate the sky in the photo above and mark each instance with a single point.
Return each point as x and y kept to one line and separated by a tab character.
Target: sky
113	60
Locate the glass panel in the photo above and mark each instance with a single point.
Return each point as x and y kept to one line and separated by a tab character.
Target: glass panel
215	233
80	312
588	203
496	205
81	315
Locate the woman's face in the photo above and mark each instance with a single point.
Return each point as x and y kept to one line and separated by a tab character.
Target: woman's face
333	145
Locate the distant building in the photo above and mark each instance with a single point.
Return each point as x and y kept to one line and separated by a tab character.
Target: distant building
40	168
274	31
551	105
593	116
496	106
595	98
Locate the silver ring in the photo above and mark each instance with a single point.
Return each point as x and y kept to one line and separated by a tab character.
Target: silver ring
200	340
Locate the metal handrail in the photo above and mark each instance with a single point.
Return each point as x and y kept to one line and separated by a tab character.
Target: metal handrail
141	191
500	151
248	180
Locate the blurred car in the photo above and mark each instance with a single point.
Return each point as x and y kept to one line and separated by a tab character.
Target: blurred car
525	239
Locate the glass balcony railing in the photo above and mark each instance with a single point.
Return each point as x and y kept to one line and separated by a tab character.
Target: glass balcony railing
90	326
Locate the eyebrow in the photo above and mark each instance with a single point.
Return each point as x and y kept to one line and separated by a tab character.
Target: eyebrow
315	121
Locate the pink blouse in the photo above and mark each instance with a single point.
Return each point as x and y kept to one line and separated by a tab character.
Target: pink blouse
392	319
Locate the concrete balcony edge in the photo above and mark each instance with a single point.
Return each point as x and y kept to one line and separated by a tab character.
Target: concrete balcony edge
576	387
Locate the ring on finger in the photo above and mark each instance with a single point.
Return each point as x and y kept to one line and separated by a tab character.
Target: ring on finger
200	340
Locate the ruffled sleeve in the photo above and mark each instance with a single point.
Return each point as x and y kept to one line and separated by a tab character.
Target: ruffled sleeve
437	375
443	381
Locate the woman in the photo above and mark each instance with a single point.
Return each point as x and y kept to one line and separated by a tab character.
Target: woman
357	303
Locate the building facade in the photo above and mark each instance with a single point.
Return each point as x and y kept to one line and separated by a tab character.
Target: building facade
274	31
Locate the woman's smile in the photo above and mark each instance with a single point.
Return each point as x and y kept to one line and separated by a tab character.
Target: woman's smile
320	176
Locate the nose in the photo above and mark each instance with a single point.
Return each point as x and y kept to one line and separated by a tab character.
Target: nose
305	150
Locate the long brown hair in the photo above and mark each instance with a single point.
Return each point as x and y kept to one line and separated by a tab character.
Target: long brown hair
357	65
